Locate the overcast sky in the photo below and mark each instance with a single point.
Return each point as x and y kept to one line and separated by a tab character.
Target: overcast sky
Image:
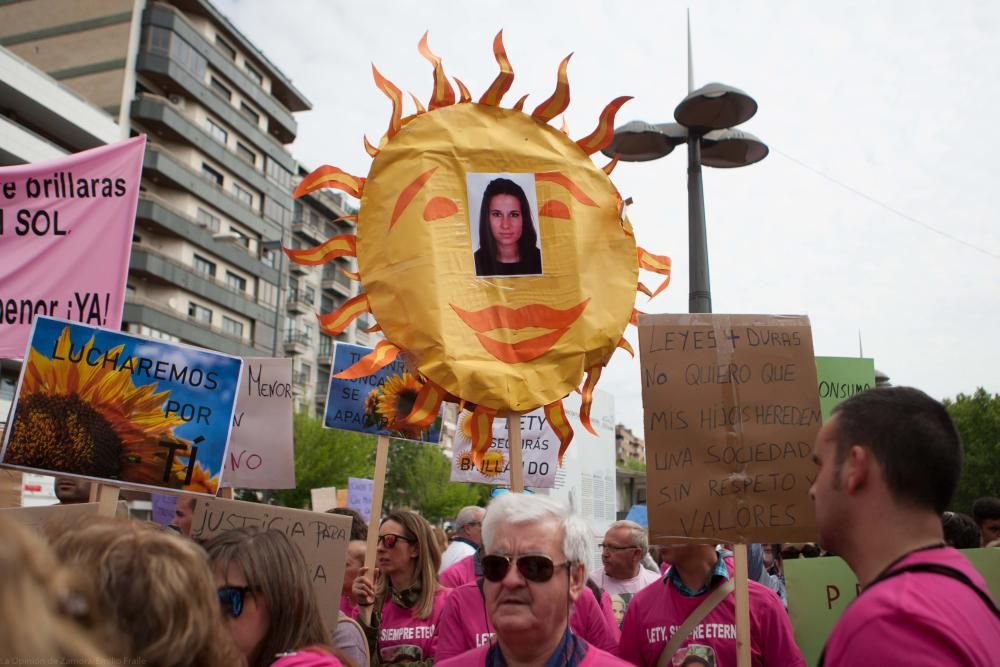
897	101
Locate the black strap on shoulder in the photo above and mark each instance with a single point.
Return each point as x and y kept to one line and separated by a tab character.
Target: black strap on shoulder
932	568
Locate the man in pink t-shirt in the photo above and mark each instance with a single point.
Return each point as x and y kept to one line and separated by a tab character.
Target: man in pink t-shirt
463	572
658	610
534	572
621	574
889	462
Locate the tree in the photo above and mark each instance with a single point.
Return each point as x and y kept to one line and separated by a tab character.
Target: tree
977	419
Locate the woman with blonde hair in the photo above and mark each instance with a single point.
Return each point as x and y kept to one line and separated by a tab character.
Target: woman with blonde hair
400	609
154	591
263	586
44	609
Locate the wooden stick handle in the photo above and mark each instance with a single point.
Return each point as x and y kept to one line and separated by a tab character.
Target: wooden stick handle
381	461
514	443
107	497
742	594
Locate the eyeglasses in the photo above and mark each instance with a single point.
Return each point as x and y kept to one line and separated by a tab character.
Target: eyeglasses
538	569
614	547
390	539
231	598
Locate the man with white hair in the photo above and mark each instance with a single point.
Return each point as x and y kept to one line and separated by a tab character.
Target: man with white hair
468	536
621	574
534	555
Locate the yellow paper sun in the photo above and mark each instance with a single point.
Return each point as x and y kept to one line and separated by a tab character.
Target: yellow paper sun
500	343
89	420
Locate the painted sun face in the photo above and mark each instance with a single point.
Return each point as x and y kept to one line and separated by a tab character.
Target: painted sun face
508	343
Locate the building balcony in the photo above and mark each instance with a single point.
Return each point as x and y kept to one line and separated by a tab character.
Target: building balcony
298	269
300	378
308	231
297	343
154	314
296	304
336	281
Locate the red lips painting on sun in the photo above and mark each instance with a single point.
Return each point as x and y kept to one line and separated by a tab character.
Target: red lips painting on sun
502	343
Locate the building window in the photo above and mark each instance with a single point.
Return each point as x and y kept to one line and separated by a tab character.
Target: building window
150	332
202	265
211	174
267	293
251	115
225	47
239	238
200	313
306	370
158	40
221	89
307	332
243	194
254	74
325	346
210	222
188	58
277	212
309	295
293	288
278	174
217	131
269	258
246	153
232	327
238	283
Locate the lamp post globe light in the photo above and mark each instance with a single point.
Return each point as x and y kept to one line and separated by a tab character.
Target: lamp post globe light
705	119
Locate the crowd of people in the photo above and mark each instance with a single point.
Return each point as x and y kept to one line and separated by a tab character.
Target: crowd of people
514	587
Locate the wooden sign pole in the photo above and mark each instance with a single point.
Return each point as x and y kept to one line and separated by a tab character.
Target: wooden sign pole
742	594
226	492
514	445
381	461
107	496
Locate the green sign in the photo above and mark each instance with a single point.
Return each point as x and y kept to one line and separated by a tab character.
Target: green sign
840	378
819	589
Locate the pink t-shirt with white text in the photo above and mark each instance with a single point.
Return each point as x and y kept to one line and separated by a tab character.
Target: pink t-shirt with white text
349	608
919	619
657	610
595	658
464	624
401	632
459	574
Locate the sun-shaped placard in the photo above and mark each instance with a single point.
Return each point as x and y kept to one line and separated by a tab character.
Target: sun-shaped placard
491	250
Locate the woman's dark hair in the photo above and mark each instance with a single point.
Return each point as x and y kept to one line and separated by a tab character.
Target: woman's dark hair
528	242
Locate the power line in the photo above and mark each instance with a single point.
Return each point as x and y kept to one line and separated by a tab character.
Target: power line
864	195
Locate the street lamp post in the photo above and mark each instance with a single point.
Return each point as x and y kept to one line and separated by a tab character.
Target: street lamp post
704	121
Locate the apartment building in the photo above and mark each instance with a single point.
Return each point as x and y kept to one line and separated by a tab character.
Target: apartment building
628	446
216	204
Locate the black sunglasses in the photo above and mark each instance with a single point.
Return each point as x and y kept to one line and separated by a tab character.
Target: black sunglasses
231	598
390	539
538	569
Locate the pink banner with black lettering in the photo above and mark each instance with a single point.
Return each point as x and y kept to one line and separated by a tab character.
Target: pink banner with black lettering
65	239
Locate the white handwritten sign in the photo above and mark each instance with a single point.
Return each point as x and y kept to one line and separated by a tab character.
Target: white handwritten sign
260	449
322	538
359	495
539	451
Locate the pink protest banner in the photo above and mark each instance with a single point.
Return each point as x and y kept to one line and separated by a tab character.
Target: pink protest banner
65	239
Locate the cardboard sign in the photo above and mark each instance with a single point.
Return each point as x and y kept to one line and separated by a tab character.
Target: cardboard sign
322	538
819	590
840	378
374	403
260	449
539	452
359	496
40	518
65	239
120	409
324	499
164	508
731	416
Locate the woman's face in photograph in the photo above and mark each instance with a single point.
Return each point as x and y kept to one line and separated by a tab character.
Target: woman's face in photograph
505	219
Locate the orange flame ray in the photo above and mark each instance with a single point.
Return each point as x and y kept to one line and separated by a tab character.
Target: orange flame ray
587	397
657	264
556	416
334	323
610	167
330	177
371	150
444	94
344	245
373	328
426	406
395	96
519	105
634	318
554	208
564	128
494	94
408	193
438	208
418	104
463	90
559	99
645	290
560	178
482	432
627	346
383	355
352	275
605	130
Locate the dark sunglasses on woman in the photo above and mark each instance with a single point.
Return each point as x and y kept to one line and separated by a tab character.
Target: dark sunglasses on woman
231	598
538	569
390	539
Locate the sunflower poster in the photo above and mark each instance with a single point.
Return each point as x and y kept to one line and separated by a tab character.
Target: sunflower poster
539	446
376	403
55	217
121	409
